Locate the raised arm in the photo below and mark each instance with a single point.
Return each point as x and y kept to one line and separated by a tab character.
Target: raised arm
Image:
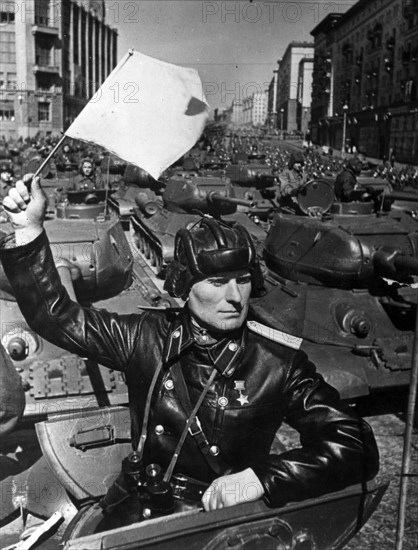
106	337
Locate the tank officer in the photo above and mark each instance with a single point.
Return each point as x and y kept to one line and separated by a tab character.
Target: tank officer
346	180
291	180
6	178
87	180
208	387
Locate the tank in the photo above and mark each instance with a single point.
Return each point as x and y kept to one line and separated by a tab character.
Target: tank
81	205
136	189
185	199
82	455
339	276
254	180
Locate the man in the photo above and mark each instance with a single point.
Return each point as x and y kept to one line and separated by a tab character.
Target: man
207	390
6	178
86	181
346	181
292	179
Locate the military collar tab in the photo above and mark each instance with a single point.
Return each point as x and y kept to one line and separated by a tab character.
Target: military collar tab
225	355
179	337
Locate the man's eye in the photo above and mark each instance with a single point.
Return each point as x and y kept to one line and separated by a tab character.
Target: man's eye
244	280
217	283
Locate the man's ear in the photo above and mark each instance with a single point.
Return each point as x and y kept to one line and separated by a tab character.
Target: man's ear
177	280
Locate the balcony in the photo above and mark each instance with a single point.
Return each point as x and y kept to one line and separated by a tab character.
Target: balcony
46	68
45	25
45	29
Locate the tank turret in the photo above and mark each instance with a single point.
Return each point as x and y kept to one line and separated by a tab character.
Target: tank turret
136	189
81	204
349	254
204	194
254	180
340	276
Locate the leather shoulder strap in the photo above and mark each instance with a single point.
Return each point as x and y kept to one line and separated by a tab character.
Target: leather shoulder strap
275	335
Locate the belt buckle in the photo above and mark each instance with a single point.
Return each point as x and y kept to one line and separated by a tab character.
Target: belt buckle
199	430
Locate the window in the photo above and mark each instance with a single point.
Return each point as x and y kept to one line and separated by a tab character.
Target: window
7	47
7	17
11	81
44	111
7	114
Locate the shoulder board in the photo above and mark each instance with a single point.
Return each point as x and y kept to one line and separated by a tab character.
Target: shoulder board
275	335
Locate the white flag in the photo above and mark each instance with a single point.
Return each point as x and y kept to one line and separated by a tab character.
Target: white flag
147	112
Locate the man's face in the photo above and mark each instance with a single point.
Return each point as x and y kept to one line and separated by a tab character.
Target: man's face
87	168
297	167
221	302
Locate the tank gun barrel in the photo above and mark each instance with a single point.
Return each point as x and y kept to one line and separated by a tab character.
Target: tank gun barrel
402	196
216	197
389	263
407	264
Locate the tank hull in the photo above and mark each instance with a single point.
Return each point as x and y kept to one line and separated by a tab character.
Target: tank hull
324	523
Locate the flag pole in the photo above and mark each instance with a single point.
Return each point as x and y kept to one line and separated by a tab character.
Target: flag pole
48	158
406	455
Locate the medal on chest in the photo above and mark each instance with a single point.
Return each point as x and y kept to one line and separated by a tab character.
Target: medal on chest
239	385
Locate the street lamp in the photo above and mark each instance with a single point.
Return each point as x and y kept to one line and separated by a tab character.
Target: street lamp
345	109
281	123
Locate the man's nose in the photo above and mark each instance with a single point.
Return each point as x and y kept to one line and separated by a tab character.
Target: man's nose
233	293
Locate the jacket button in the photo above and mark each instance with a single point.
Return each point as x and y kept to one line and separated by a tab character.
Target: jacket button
214	450
159	430
233	346
169	384
176	334
223	402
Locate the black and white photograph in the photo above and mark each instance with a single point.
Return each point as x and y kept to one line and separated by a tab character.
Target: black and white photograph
208	274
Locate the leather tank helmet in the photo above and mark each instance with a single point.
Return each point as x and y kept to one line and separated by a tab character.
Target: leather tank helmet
208	249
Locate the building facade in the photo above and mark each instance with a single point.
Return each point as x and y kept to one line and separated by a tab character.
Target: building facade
54	54
236	112
254	109
294	83
365	79
272	101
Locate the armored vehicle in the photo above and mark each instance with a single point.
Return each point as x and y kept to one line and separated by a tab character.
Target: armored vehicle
254	180
82	456
135	189
185	199
339	277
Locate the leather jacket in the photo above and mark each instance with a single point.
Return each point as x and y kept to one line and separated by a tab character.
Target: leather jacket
260	383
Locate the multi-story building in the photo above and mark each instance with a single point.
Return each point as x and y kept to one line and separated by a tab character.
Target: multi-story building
254	109
366	77
54	54
294	81
304	94
236	114
272	100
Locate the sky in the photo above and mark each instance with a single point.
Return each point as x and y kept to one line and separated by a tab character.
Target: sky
234	44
